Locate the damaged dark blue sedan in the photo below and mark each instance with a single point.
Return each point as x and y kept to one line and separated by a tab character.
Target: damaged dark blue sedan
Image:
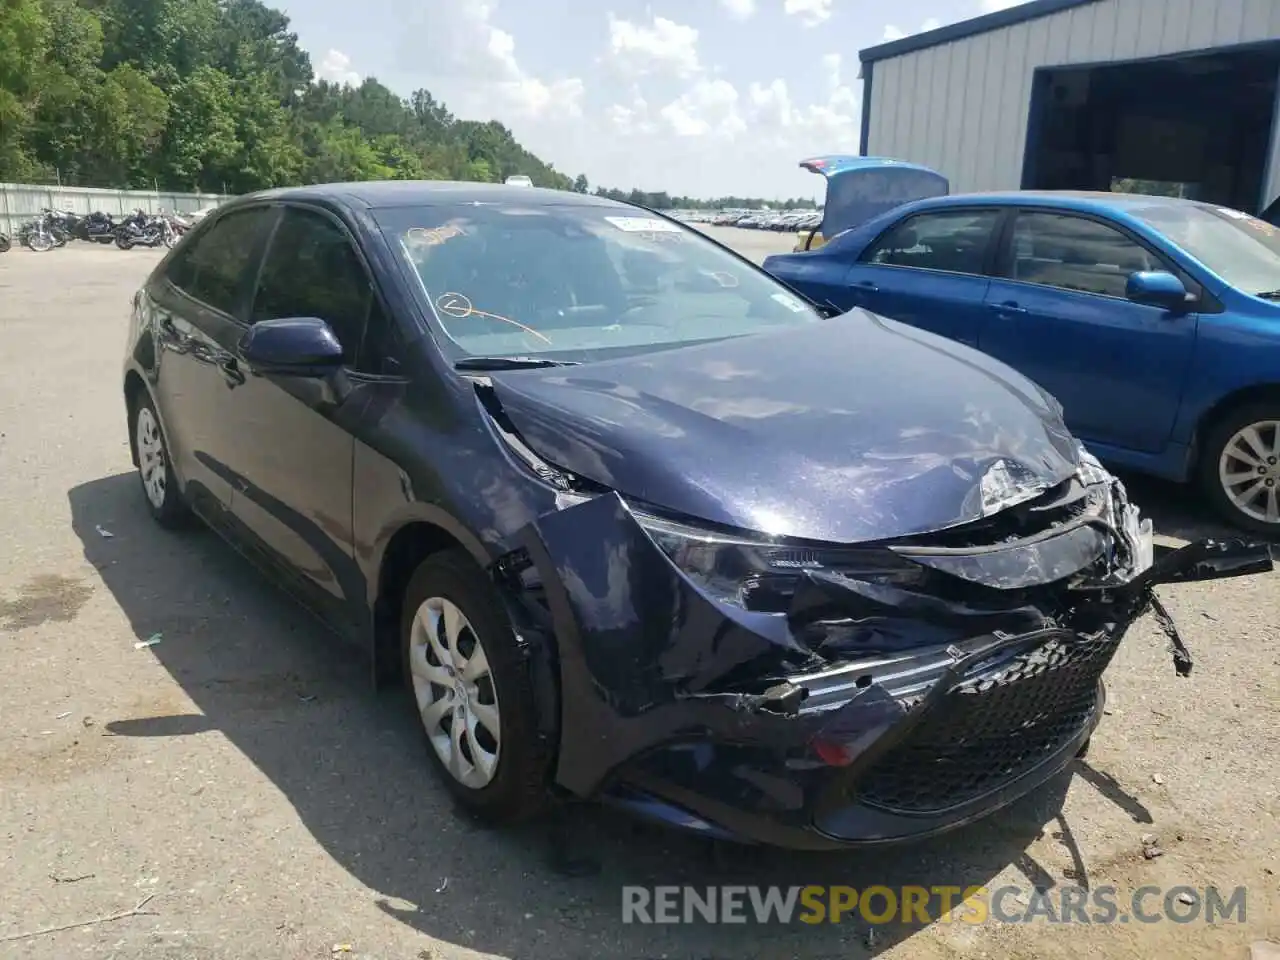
634	521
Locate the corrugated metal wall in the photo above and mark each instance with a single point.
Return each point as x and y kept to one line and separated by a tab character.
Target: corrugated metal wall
962	107
20	202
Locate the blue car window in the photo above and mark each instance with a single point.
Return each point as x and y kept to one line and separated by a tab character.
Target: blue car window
953	241
1075	253
1243	250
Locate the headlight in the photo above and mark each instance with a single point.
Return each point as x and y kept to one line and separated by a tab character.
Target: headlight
761	574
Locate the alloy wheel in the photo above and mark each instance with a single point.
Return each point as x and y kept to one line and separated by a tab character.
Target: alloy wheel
151	458
1249	471
455	692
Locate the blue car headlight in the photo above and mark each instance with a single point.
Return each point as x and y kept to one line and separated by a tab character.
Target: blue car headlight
759	573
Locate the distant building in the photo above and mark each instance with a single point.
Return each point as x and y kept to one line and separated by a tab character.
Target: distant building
1153	96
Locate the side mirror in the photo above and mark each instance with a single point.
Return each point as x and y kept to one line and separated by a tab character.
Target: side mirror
292	346
1156	288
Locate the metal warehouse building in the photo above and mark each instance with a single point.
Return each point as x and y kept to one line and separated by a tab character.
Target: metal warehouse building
1179	95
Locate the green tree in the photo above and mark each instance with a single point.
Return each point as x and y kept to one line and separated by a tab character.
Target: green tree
200	140
24	41
210	94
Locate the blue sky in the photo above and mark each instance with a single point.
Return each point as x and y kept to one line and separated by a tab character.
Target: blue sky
699	97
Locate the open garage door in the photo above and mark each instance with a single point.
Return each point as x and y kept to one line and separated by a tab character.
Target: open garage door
1198	127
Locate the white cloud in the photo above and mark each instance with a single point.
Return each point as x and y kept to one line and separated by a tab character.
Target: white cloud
660	46
991	6
810	12
336	68
708	107
739	9
778	122
631	118
468	46
892	33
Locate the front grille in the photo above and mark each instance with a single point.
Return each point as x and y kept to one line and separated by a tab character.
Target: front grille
992	727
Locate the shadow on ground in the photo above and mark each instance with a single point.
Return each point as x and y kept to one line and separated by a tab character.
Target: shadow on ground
298	704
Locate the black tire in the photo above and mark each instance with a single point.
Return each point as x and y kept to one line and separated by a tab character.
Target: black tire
519	788
123	242
169	509
1216	439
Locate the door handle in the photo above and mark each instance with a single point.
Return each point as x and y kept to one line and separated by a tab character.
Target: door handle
1010	306
231	370
866	285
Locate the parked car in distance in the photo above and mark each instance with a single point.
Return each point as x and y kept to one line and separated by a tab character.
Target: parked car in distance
634	522
1155	322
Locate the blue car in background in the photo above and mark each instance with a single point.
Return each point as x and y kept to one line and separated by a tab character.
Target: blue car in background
1155	322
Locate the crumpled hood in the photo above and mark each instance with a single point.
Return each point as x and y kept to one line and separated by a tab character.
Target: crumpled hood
850	429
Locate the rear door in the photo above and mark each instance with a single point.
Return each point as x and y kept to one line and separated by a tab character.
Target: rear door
194	306
1059	315
929	270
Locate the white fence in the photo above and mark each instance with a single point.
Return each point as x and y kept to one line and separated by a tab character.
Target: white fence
19	202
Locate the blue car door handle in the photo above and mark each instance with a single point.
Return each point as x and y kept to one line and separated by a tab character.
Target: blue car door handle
866	285
1009	306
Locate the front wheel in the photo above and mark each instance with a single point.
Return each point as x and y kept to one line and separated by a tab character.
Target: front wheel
155	468
472	690
1240	467
40	242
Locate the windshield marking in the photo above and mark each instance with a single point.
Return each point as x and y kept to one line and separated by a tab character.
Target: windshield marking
459	307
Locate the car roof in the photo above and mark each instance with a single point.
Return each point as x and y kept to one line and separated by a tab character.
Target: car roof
1083	200
379	194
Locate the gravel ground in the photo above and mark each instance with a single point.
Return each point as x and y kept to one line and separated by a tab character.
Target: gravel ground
241	774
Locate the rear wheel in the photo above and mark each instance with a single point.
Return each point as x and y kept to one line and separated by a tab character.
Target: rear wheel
40	242
1240	467
123	242
472	690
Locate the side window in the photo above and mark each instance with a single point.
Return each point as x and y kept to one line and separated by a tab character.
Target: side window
312	270
955	241
212	268
1074	253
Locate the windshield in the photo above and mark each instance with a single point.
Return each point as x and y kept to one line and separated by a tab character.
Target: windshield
1243	250
580	282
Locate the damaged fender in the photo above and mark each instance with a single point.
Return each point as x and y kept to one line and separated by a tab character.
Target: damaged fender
646	660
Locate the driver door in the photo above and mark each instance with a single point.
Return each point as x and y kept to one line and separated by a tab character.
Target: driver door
290	449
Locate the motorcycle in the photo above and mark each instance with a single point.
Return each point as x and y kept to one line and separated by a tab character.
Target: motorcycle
58	223
179	223
96	227
40	236
140	229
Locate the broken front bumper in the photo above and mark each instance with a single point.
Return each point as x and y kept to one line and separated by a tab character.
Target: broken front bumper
868	710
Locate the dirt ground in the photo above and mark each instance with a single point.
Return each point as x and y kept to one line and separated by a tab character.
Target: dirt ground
241	774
